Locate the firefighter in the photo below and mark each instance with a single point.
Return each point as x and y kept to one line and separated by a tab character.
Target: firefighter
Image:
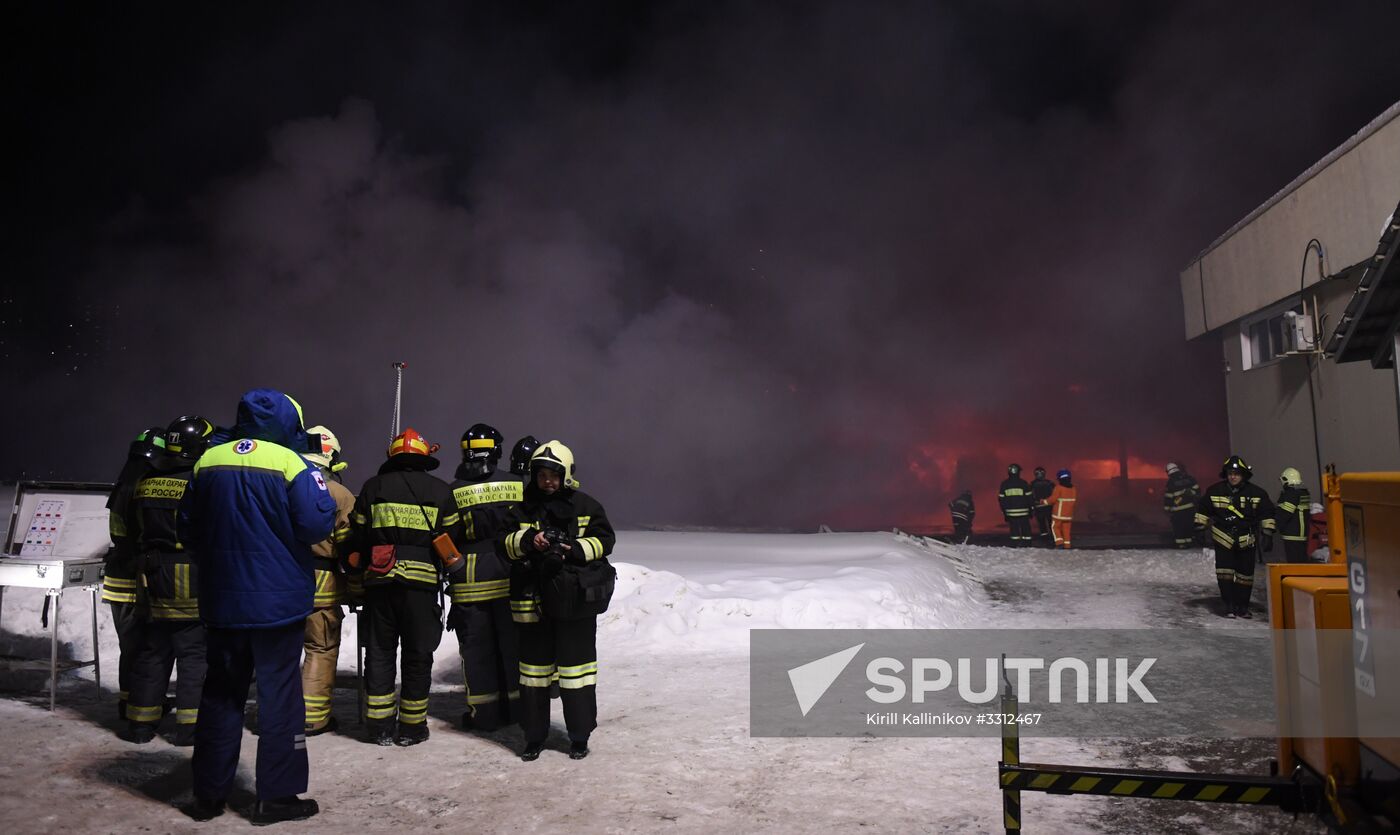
1179	500
551	649
167	596
963	512
120	571
1061	504
1294	508
1238	513
398	516
321	643
1016	502
480	613
1041	488
253	509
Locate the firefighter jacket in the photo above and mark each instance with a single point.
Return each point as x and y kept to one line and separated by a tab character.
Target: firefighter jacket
1233	514
1294	508
168	588
962	509
399	512
121	570
1041	488
1061	502
330	582
577	514
1015	498
1182	493
253	510
482	501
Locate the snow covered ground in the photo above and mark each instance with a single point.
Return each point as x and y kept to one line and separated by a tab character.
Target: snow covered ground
672	752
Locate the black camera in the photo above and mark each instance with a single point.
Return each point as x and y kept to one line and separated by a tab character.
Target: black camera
557	541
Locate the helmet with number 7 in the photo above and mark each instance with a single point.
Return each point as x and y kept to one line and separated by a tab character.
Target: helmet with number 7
186	438
521	453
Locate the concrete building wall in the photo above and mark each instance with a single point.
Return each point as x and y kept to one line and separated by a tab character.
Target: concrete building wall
1301	411
1343	203
1271	409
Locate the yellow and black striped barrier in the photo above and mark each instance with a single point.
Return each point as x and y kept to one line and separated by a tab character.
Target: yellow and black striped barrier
1016	777
1159	785
1010	758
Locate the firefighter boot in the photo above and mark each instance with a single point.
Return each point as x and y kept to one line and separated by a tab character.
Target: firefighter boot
578	749
331	726
140	732
380	732
412	734
532	751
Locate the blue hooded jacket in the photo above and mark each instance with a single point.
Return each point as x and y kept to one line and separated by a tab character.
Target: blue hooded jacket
252	510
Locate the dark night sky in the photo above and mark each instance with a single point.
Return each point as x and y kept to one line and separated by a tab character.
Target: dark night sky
759	264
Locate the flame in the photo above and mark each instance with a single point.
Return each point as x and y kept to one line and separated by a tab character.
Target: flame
1090	469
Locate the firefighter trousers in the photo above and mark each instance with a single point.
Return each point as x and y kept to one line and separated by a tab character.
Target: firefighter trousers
1183	526
962	532
235	655
1296	550
1020	530
1044	524
400	614
167	645
1061	529
489	648
321	642
563	651
128	628
1234	573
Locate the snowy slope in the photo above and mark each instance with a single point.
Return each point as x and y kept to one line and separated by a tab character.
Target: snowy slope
672	751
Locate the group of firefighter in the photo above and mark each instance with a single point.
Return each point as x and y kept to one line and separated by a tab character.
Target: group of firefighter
1050	502
407	541
1241	522
1236	514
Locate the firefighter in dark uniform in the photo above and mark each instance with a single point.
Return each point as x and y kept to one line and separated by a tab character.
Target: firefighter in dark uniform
1016	503
1179	499
120	572
167	595
1041	488
963	512
551	649
1294	509
480	613
399	514
1238	513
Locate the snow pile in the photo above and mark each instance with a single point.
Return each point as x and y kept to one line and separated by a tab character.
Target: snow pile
704	591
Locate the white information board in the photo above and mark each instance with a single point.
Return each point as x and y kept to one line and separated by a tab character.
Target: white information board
59	520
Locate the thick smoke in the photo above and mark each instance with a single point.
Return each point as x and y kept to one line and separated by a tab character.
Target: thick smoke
778	268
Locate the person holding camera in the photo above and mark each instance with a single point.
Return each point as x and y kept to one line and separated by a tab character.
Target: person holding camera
564	536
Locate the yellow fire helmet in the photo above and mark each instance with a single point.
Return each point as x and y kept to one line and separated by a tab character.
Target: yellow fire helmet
557	457
1291	477
329	456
